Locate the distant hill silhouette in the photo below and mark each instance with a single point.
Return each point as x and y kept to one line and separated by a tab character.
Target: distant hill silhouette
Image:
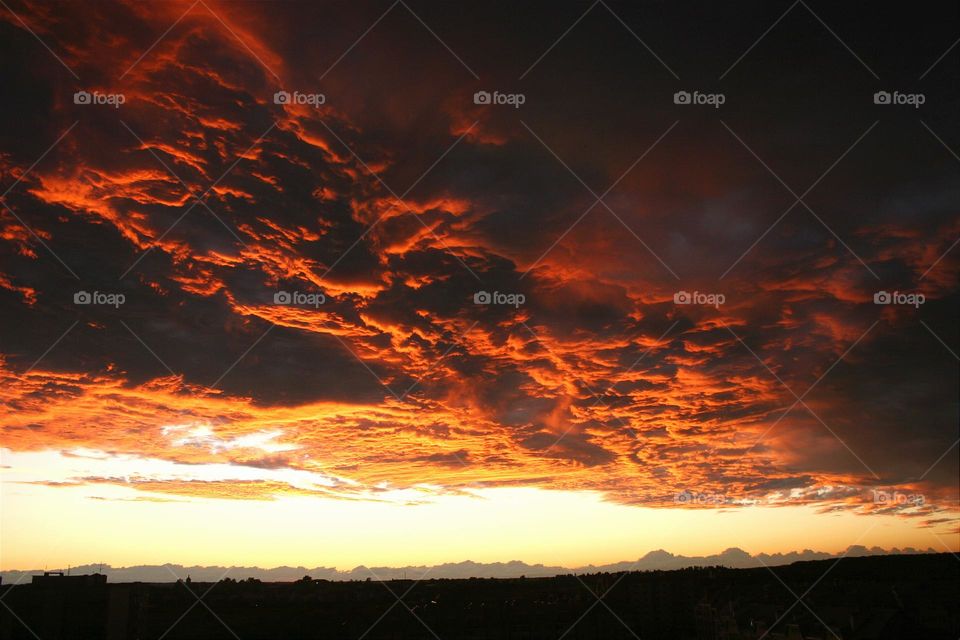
659	559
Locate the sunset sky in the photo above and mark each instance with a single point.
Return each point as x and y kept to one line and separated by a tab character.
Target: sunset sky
287	215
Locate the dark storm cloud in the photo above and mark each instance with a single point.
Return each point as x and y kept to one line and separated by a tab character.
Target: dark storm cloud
598	366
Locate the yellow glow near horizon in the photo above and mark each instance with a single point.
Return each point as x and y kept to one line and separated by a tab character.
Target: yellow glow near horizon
54	527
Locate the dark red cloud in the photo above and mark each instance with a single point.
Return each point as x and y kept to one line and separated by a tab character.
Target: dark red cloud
398	199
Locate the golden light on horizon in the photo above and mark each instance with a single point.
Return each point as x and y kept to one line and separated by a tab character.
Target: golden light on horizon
123	526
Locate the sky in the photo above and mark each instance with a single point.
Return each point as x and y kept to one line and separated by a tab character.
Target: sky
412	283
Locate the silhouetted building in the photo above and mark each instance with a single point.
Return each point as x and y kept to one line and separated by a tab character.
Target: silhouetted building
70	607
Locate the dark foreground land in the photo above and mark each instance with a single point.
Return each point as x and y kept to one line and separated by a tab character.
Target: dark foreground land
899	597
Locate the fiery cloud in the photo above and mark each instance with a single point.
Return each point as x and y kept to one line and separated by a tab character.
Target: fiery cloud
396	200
